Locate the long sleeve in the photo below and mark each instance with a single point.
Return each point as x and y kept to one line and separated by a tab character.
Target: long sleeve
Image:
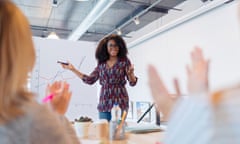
92	78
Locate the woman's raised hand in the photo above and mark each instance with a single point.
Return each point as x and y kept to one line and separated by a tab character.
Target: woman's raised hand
130	70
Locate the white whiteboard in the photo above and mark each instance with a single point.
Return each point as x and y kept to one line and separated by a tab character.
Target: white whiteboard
217	32
81	55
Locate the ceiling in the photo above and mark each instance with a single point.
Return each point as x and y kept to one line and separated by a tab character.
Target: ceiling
64	16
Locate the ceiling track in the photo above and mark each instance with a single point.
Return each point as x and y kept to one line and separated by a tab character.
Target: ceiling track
137	15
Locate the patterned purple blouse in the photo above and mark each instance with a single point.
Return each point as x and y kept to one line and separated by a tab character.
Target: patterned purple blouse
113	82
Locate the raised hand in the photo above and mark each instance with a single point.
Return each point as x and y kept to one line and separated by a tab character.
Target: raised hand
61	96
130	73
130	70
162	99
197	72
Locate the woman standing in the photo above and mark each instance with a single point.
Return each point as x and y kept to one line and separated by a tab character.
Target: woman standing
112	70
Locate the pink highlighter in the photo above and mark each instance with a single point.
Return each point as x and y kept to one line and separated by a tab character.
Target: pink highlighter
48	98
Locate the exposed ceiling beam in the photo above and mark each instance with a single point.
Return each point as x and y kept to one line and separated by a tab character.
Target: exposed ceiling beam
155	7
130	16
140	9
158	9
43	28
96	12
69	12
44	31
123	24
103	34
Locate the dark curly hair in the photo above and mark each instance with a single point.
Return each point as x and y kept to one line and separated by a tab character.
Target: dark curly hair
102	52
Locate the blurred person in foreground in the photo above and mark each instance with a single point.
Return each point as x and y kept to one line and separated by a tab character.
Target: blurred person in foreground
205	117
22	119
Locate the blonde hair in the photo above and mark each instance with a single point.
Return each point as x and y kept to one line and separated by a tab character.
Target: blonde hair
17	58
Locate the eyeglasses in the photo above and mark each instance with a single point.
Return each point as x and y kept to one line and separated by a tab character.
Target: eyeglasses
112	45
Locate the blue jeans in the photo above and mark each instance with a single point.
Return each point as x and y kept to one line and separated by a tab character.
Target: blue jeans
105	115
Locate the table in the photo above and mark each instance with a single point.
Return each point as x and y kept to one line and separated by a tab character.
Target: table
131	138
98	133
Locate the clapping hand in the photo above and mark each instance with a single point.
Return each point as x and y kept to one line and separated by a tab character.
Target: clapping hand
197	75
61	96
197	72
162	99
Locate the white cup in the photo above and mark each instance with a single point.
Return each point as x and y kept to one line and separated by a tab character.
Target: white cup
99	129
82	129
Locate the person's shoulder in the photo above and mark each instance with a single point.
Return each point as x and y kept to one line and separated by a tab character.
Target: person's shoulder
34	108
39	114
45	125
20	123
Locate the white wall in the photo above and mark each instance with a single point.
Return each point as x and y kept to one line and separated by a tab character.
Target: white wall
217	32
47	70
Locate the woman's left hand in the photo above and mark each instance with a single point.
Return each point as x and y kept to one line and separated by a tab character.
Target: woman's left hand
130	73
130	70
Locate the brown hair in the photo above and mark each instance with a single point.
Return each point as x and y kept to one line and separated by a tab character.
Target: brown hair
102	53
17	58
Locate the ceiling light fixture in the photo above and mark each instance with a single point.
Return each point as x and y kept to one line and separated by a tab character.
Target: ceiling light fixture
55	3
97	11
136	20
119	32
53	35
